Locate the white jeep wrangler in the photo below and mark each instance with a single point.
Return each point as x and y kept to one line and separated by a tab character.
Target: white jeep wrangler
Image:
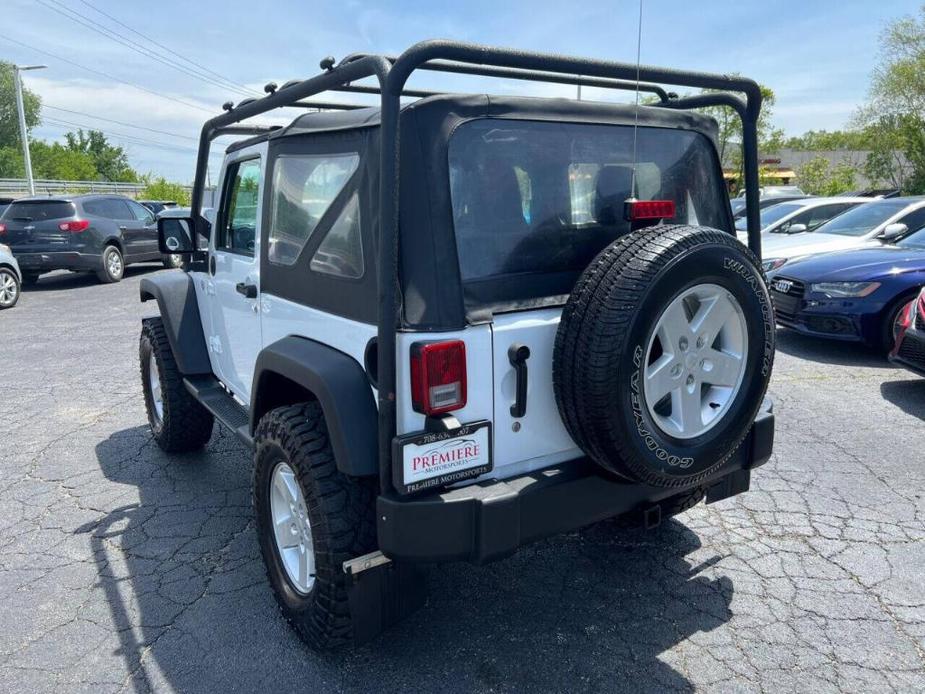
452	326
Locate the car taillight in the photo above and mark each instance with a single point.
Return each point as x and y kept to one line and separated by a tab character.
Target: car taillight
920	321
438	376
2	228
75	225
636	210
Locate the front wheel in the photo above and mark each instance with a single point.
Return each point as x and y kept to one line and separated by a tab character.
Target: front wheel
310	518
179	423
9	288
113	266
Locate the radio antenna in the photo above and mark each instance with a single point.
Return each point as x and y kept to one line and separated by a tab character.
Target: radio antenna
636	117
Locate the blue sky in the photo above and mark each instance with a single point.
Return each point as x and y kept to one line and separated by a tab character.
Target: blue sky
817	55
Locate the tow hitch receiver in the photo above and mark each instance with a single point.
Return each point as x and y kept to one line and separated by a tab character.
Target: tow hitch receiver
381	592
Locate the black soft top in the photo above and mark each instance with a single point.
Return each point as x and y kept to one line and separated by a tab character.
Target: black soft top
433	297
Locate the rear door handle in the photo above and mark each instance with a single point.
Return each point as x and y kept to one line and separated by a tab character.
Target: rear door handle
248	290
518	354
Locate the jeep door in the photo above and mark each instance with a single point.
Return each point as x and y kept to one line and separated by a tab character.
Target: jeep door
233	288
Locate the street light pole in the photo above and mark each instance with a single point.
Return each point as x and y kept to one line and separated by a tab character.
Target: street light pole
20	107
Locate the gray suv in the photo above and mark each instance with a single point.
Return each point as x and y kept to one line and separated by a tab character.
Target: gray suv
83	233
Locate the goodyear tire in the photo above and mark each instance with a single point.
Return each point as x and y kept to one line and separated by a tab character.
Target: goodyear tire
310	518
664	353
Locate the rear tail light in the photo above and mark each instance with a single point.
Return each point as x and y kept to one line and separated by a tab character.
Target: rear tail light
636	210
75	225
2	228
438	376
919	321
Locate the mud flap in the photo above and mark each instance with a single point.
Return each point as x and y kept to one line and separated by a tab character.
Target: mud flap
382	595
734	483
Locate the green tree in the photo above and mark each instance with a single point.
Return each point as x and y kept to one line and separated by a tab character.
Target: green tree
9	120
770	139
159	188
110	161
896	104
823	140
818	177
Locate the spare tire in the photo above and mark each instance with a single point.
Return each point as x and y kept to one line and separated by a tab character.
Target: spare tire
663	354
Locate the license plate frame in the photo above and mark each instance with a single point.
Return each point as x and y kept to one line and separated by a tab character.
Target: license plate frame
453	456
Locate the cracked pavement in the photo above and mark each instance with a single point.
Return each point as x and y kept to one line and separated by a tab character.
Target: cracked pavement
123	570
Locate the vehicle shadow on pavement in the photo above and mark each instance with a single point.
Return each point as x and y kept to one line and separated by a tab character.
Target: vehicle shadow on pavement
834	352
58	281
909	395
185	585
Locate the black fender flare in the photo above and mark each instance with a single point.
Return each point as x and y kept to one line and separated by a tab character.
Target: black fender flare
176	298
339	383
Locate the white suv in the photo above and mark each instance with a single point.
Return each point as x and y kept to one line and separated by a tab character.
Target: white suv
453	327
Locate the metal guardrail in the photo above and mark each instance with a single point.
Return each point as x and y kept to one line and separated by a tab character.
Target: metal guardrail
18	187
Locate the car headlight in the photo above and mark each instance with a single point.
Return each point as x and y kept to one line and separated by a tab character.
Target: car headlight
835	290
772	264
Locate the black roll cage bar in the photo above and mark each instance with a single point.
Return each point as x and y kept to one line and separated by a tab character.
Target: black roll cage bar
392	74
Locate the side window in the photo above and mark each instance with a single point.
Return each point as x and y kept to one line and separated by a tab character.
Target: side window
141	213
95	208
238	225
304	186
802	218
341	251
117	209
823	213
914	220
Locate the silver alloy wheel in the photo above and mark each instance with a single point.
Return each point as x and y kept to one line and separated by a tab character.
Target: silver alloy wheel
292	530
695	361
157	394
114	263
9	289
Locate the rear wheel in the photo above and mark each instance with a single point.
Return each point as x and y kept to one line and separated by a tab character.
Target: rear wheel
178	422
113	266
663	354
9	288
30	279
310	518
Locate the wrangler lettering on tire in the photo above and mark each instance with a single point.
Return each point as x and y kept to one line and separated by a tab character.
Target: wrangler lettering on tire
663	354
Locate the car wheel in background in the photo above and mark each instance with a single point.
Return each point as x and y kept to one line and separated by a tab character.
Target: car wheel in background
890	326
9	288
113	266
174	261
29	279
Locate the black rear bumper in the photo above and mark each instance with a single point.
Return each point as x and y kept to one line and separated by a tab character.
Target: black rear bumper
490	520
36	261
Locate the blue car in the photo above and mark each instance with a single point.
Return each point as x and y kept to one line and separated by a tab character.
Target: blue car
857	295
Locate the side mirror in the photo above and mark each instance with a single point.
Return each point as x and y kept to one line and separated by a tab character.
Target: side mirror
893	231
175	235
797	228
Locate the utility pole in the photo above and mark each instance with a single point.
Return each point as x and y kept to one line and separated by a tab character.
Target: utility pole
27	160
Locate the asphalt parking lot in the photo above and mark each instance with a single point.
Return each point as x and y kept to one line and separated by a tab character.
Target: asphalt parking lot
121	570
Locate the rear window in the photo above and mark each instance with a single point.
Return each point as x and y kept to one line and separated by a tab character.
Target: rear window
533	199
39	210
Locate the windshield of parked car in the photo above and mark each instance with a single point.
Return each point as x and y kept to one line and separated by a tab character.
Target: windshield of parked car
534	198
863	219
914	240
771	215
38	210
